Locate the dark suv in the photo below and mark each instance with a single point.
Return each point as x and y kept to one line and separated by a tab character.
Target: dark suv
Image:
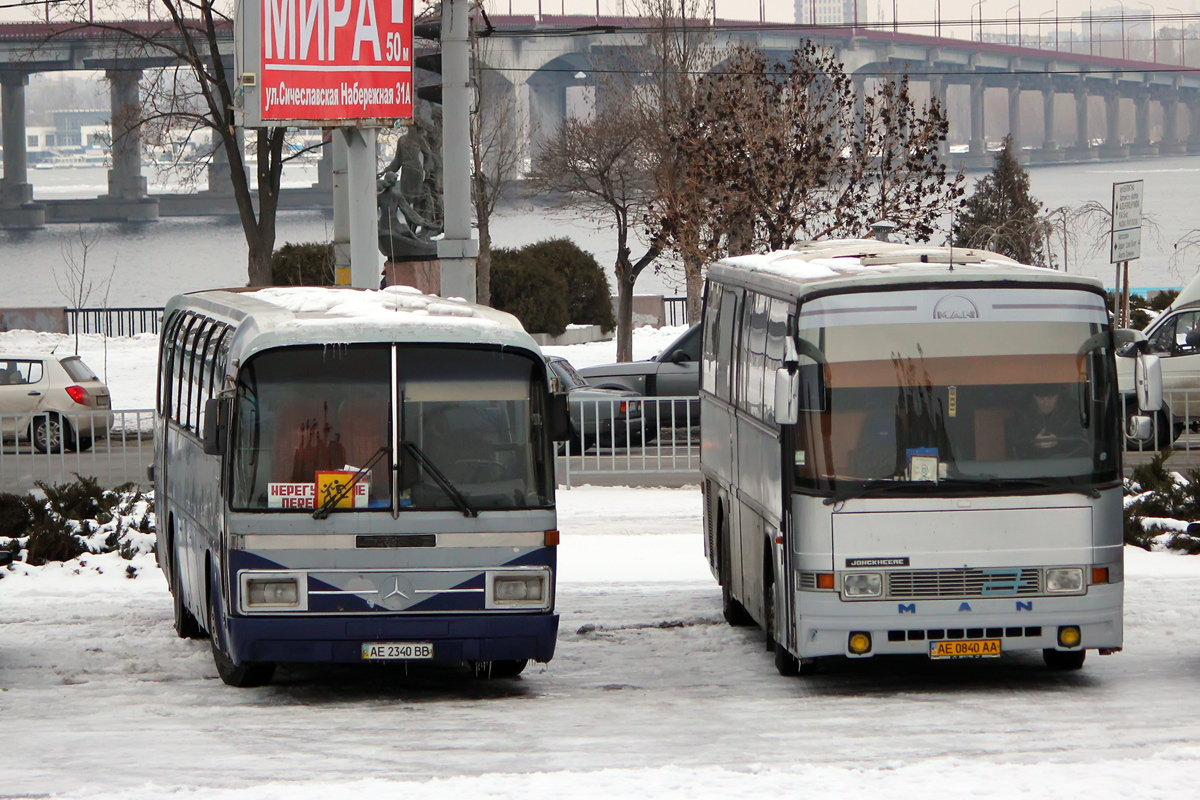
675	372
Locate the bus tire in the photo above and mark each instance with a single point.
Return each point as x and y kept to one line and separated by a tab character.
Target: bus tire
240	676
186	624
734	612
1063	659
785	663
769	603
503	668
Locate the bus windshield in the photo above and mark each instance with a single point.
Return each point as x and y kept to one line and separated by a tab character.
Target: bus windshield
993	391
468	425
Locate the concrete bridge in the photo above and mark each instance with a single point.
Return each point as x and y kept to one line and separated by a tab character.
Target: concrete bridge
541	61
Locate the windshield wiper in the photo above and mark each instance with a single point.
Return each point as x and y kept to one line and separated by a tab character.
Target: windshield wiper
881	486
440	479
1046	483
338	496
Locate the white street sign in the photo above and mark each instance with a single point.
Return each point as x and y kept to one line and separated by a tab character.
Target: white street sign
1126	221
1126	245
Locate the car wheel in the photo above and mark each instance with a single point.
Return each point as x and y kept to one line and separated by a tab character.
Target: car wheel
1064	659
51	434
241	676
84	444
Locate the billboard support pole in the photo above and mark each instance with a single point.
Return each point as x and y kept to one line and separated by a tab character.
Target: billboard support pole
341	208
457	250
364	210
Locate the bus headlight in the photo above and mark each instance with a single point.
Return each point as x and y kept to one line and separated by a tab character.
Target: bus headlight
272	592
1064	579
862	584
525	589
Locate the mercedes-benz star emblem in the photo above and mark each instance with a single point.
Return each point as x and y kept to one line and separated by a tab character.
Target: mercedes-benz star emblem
395	592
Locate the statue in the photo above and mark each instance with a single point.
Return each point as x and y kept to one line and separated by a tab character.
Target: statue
410	197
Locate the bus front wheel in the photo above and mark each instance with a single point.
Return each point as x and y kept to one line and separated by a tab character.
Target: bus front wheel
503	668
241	676
1064	659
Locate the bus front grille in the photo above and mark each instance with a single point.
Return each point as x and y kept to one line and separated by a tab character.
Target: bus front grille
964	583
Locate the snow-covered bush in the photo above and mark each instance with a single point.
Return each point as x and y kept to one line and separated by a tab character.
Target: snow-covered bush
62	522
1159	506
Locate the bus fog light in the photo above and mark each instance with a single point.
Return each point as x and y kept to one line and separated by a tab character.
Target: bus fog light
272	592
1064	580
863	584
1069	636
518	589
859	642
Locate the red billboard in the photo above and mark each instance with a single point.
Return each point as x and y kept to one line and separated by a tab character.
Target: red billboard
335	60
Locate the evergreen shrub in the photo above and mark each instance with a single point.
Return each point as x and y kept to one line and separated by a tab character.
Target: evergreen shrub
308	264
551	284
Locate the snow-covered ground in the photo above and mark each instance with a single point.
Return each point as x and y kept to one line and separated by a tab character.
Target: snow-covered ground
650	693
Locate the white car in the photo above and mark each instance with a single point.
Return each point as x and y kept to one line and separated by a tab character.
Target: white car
55	402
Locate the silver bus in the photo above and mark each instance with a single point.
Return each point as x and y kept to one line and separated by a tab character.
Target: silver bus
355	476
911	450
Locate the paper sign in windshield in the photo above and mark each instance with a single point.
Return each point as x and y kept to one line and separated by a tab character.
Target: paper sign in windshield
302	495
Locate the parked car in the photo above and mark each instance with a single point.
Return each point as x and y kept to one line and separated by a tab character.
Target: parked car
675	372
56	402
598	416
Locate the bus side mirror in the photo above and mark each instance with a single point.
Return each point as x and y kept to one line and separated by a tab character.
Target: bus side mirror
1147	382
216	424
800	388
1140	428
560	417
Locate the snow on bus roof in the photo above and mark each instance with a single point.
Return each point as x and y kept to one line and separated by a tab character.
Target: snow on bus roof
359	313
848	258
312	303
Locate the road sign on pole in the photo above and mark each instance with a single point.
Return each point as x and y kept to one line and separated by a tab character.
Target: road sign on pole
1126	222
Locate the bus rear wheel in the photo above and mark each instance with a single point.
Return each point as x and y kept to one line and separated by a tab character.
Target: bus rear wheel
734	612
186	624
241	676
1064	659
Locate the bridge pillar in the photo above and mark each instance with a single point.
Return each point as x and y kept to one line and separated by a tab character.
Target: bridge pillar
1082	149
1142	146
126	199
937	91
977	154
17	209
1112	147
1193	142
1050	150
1170	144
1014	121
220	173
547	110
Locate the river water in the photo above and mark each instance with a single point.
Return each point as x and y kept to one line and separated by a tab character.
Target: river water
147	264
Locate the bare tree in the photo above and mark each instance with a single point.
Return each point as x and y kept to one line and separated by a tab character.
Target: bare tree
75	282
498	136
195	92
773	153
605	168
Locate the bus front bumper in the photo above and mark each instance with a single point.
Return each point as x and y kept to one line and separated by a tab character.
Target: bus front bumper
459	637
825	622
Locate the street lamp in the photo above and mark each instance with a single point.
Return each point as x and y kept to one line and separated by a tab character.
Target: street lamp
979	5
1153	31
1044	13
1176	10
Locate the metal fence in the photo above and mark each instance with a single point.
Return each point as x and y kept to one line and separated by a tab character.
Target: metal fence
675	311
639	436
116	455
114	321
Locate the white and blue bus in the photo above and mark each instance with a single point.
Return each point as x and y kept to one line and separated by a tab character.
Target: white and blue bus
347	476
912	450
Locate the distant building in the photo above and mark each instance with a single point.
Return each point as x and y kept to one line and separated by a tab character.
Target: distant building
831	12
